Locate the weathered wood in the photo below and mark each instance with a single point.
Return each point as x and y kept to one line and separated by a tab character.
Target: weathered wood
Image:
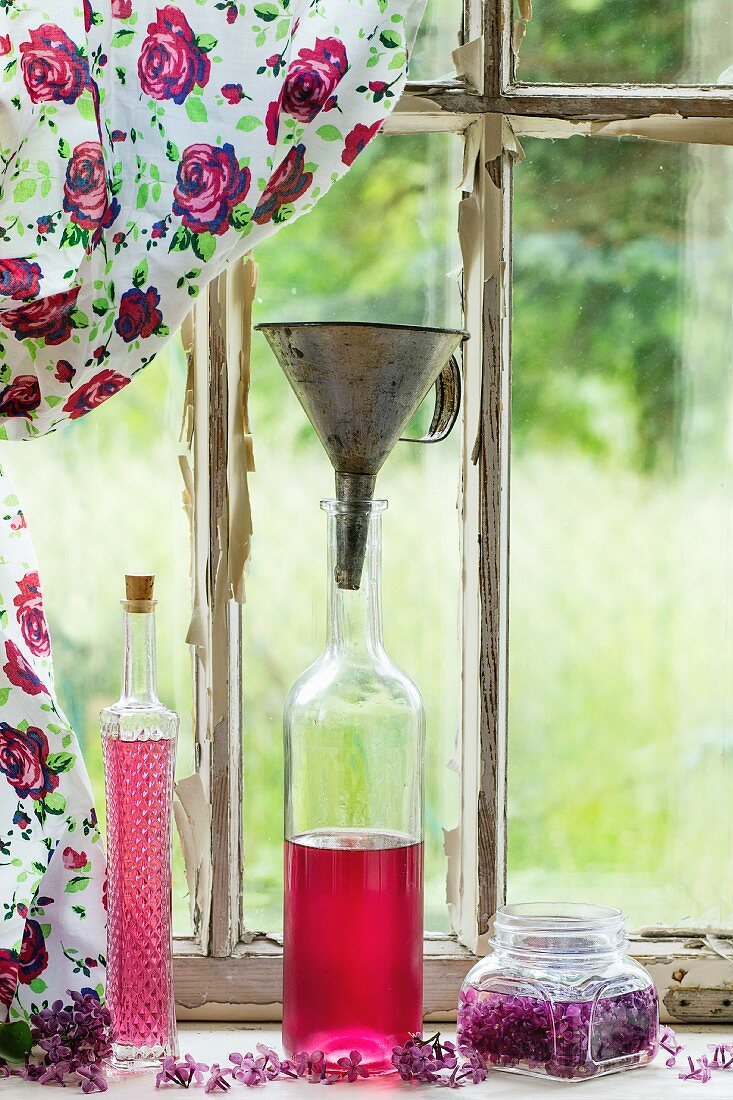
223	658
249	985
695	984
691	1005
570	101
492	564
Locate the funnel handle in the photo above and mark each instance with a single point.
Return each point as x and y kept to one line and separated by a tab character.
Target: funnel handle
447	404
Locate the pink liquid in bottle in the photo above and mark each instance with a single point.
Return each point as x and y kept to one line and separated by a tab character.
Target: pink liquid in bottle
139	783
353	944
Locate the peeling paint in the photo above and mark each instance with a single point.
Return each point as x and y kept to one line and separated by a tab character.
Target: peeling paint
241	288
674	128
193	822
468	61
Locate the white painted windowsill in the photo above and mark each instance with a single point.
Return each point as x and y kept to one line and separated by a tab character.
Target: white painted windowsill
214	1042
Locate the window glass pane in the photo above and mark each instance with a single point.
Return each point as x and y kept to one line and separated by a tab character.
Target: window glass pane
649	41
437	37
621	694
381	246
103	497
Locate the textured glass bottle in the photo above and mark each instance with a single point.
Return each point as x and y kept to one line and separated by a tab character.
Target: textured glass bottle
559	996
354	744
139	744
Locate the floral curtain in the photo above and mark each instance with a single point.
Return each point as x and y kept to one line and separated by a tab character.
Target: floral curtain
143	147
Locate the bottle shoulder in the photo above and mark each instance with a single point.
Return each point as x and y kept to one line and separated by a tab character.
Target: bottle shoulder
335	679
138	721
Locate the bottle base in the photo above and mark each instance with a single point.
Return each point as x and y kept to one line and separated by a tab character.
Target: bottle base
126	1058
375	1050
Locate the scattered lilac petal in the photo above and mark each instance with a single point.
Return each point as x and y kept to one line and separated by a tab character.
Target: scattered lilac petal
216	1080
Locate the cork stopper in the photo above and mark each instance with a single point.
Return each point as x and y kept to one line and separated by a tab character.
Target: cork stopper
139	593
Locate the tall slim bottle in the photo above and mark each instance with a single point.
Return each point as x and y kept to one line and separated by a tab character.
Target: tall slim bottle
139	745
354	743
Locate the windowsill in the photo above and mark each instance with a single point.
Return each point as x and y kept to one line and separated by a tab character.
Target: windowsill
214	1042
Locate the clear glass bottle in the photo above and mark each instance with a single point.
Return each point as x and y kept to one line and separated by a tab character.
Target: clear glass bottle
139	746
559	997
354	744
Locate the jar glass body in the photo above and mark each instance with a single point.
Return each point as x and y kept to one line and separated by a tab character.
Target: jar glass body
559	997
354	743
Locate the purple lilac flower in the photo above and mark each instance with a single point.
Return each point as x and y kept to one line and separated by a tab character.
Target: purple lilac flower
74	1040
246	1069
92	1079
699	1070
268	1062
217	1080
352	1070
722	1055
668	1042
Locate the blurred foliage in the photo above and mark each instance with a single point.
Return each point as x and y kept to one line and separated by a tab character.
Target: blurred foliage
600	240
616	41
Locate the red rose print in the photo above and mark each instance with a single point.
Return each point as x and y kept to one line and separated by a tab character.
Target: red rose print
286	184
20	397
33	954
52	66
72	860
29	613
18	522
311	78
171	62
20	672
233	93
23	761
88	13
5	46
358	139
138	315
121	9
8	975
209	185
272	121
19	279
47	319
85	190
92	393
64	371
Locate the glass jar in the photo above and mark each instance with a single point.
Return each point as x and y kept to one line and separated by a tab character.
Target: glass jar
354	742
559	996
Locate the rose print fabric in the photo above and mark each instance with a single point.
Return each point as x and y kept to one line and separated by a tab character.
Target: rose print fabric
51	860
143	146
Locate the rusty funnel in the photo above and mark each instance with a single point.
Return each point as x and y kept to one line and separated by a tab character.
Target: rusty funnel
359	385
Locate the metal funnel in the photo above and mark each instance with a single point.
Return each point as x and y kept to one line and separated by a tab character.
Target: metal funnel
359	385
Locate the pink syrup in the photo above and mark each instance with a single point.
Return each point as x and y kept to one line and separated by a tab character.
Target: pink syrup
353	944
139	779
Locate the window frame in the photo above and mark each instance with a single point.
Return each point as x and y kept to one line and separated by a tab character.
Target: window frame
226	972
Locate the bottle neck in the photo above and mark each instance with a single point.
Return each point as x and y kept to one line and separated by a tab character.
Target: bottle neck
355	615
139	682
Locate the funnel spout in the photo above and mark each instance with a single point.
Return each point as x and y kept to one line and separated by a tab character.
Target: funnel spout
352	528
